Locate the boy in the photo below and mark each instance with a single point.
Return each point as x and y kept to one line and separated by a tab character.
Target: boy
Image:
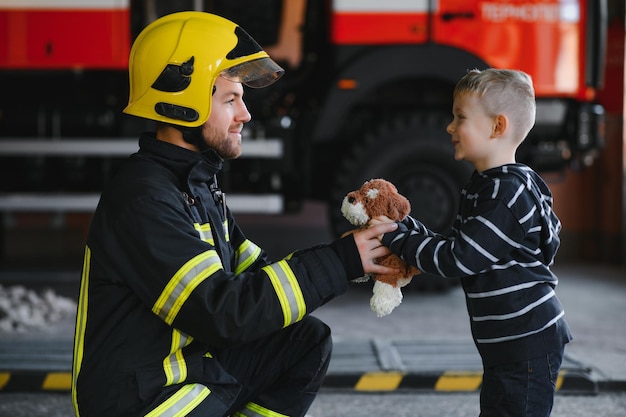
502	245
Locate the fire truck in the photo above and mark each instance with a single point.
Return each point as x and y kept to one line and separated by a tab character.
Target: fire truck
367	93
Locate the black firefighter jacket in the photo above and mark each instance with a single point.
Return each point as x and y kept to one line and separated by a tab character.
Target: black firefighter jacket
168	275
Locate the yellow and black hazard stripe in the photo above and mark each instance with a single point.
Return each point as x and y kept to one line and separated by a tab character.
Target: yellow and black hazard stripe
380	381
35	381
448	381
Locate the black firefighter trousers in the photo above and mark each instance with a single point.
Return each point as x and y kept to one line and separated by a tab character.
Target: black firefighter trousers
281	373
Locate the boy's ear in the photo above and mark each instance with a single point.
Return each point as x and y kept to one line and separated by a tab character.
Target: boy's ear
500	124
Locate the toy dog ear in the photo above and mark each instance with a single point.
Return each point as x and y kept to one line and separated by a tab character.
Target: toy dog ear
398	206
402	206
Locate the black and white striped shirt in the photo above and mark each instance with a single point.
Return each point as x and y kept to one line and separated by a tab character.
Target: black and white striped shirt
502	245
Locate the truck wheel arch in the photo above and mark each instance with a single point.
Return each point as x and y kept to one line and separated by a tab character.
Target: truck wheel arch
400	62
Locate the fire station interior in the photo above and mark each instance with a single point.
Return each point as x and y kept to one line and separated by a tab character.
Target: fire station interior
590	201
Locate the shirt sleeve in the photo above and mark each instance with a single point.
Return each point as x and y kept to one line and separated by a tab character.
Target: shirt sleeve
180	277
481	240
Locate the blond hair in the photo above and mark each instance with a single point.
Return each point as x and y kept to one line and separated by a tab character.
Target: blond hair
503	91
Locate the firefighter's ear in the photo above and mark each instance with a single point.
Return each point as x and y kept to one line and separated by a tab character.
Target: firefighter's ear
500	125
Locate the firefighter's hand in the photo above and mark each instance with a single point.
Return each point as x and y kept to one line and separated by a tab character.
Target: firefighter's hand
370	248
378	220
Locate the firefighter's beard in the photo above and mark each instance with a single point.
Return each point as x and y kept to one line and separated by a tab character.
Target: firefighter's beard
227	144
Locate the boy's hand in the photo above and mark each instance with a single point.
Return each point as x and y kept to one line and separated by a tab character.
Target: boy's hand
370	248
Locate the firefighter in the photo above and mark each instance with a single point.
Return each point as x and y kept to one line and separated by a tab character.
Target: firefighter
179	313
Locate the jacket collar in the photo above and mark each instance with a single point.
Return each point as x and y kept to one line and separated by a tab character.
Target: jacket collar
194	167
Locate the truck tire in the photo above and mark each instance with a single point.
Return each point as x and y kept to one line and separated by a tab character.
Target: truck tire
414	153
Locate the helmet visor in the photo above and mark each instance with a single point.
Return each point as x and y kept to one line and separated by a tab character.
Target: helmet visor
257	73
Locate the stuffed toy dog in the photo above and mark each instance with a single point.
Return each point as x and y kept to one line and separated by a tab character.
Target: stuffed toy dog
379	197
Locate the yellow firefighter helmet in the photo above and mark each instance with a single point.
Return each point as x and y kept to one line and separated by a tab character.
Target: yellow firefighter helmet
176	59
